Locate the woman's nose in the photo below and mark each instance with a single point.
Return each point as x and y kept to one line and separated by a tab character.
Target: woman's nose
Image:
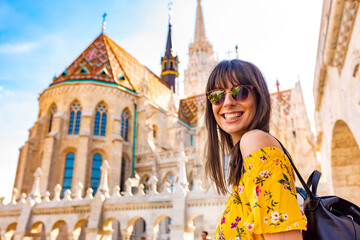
229	100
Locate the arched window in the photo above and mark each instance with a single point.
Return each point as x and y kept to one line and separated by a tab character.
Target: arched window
52	113
68	172
170	178
95	172
124	125
75	117
172	183
145	181
122	176
100	120
155	131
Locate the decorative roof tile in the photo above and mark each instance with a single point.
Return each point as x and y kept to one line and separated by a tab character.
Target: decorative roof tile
188	109
282	99
105	61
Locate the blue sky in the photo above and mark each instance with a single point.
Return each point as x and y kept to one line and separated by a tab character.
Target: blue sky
39	39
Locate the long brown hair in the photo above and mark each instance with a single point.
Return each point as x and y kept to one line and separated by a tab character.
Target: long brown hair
236	72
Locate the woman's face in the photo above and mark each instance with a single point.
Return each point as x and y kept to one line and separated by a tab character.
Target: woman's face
235	117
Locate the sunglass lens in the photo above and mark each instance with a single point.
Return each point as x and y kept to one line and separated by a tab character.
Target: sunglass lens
240	93
216	97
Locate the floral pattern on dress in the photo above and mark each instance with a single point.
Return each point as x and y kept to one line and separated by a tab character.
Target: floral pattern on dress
256	206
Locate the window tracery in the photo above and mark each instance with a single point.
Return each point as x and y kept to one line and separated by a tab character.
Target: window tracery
95	172
68	172
124	125
100	120
75	117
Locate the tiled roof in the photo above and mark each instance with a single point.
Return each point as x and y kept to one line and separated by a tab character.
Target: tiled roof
188	108
105	61
282	98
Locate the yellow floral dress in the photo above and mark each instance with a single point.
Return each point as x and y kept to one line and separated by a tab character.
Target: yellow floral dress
264	201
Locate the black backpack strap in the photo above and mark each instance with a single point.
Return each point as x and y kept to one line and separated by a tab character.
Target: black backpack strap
313	181
307	189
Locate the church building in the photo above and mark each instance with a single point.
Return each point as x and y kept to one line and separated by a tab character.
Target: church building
116	154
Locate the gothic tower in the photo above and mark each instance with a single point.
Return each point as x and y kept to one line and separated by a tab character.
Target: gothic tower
201	59
170	62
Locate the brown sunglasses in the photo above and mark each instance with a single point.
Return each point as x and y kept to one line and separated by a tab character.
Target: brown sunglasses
238	93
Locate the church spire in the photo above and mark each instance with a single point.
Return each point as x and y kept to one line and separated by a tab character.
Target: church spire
199	27
169	63
169	42
201	58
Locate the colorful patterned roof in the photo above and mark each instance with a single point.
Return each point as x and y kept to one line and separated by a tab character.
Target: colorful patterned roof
105	61
282	99
188	108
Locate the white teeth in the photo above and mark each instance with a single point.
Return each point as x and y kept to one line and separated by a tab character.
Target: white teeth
232	115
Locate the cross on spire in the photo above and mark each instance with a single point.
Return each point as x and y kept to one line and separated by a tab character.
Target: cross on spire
170	6
103	23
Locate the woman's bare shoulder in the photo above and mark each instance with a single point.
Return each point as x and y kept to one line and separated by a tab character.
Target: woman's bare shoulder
254	140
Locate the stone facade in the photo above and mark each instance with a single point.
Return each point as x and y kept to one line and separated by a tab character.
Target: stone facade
337	98
115	154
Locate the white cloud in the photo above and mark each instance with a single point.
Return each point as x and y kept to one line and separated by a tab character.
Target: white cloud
17	47
5	92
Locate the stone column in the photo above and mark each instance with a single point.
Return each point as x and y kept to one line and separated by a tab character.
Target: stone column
49	152
116	154
177	228
81	164
124	234
151	232
91	233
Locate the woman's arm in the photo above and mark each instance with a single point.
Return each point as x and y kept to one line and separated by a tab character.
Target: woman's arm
293	235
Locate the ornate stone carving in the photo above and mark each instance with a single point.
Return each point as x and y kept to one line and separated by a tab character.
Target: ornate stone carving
116	193
35	192
67	195
57	192
78	191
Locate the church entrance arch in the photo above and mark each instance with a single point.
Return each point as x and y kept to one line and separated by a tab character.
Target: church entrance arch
137	228
195	224
79	229
345	163
161	229
111	229
59	231
37	231
9	234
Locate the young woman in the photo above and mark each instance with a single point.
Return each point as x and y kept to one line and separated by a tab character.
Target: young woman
262	203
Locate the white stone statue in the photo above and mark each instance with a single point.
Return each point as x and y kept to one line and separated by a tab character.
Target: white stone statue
14	196
57	192
78	191
89	193
103	188
35	191
67	195
116	192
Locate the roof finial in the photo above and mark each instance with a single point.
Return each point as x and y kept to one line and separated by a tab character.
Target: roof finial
170	6
236	51
278	88
103	22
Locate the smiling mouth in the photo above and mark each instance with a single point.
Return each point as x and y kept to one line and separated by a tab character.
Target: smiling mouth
229	116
